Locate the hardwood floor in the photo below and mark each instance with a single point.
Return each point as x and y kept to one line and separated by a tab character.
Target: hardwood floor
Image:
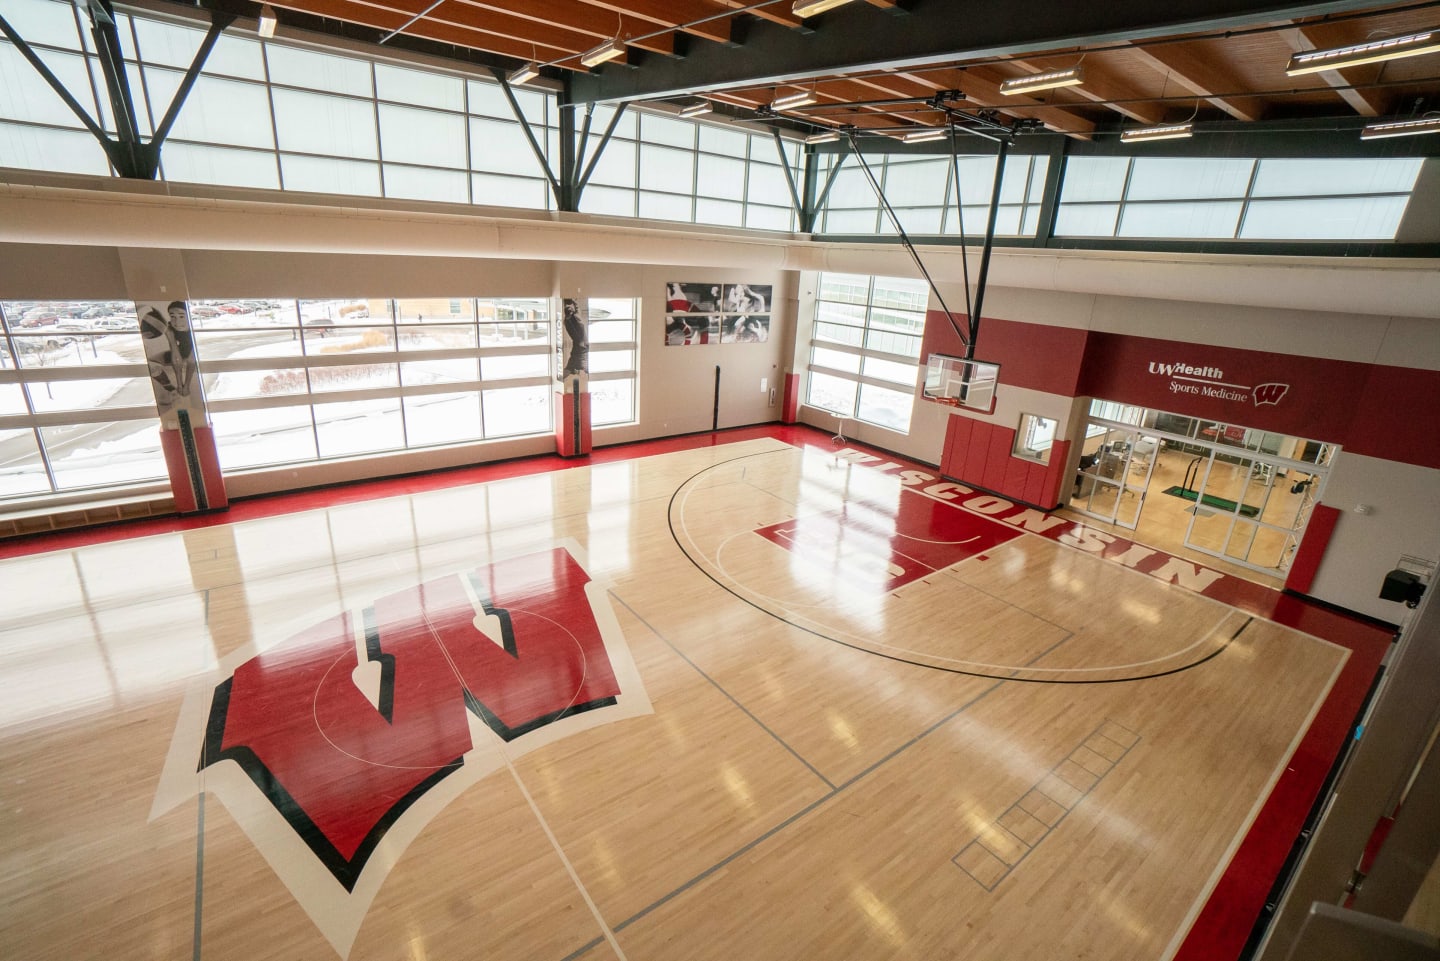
758	699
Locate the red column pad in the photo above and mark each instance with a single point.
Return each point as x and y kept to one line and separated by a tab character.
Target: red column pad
210	474
1312	548
791	408
174	450
187	499
569	443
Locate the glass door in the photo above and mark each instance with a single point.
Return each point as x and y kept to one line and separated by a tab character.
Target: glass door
1113	474
1250	509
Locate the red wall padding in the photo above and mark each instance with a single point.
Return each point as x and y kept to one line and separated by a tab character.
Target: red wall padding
1312	548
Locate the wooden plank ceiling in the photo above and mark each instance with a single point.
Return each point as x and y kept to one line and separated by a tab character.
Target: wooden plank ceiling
1231	74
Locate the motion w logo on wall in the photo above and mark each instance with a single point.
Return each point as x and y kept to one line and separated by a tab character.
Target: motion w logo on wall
334	748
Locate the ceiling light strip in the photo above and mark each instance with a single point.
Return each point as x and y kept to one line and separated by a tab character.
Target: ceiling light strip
1049	80
604	53
1390	48
810	8
1173	131
791	101
1401	128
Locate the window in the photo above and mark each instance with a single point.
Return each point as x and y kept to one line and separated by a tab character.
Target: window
293	381
76	408
1034	438
612	326
865	347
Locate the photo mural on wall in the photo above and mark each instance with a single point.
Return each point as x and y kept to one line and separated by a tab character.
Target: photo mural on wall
170	356
572	342
698	314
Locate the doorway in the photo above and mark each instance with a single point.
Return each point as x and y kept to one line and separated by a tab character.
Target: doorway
1228	491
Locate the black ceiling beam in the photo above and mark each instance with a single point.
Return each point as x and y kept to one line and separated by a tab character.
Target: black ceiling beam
861	37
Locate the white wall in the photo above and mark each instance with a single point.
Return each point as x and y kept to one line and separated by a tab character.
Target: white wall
1403	518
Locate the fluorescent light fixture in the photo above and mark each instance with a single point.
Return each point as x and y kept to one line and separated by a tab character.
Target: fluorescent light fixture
924	134
1409	45
608	50
1172	131
525	74
696	109
1401	128
1071	77
266	25
792	100
809	8
829	136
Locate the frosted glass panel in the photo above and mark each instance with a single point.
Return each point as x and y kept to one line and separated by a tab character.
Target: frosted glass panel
330	175
1350	218
315	123
721	177
850	222
666	130
917	184
420	88
217	111
1087	220
662	168
175	46
718	140
318	71
1289	178
501	147
510	192
422	183
41	148
43	21
1166	178
768	185
24	94
219	165
665	206
769	218
608	200
1180	219
616	166
722	213
428	137
1093	178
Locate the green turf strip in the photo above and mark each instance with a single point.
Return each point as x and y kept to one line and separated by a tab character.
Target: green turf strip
1219	503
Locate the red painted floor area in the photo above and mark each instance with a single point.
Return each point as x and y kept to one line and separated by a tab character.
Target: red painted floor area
1225	923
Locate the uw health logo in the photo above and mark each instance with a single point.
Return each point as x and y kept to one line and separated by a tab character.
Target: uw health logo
335	748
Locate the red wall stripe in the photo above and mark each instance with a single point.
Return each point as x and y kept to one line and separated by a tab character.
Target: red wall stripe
790	408
1312	548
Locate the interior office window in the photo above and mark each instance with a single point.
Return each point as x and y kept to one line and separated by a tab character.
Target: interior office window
76	408
865	347
613	327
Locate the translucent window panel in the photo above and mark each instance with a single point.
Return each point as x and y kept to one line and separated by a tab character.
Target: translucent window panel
767	186
1039	168
21	469
437	337
1092	178
449	370
901	292
851	221
534	107
174	45
612	402
662	168
610	331
229	112
1086	220
718	140
655	129
419	87
851	189
600	122
845	288
44	22
720	177
1174	178
917	184
422	183
835	360
1289	178
501	147
769	218
885	407
434	419
497	191
976	220
428	137
256	438
719	212
1215	219
192	163
510	411
320	124
897	373
920	220
831	393
359	427
616	166
41	148
515	366
487	99
608	200
330	175
611	361
900	321
666	207
24	94
311	70
97	455
1345	218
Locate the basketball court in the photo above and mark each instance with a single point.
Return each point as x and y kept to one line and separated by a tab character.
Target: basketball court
757	695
